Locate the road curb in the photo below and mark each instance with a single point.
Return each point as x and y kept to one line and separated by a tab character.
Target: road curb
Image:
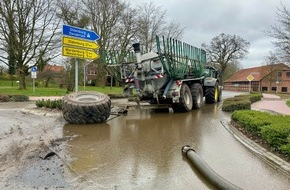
270	158
41	112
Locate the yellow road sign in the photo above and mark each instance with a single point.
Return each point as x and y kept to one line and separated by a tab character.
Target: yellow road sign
250	77
79	53
79	43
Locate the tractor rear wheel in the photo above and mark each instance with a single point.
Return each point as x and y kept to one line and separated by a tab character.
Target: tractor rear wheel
185	100
197	95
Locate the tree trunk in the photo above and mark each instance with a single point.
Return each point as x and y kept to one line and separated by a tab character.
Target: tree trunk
101	77
22	84
46	82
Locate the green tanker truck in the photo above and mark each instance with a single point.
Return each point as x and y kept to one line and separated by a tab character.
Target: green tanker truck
175	75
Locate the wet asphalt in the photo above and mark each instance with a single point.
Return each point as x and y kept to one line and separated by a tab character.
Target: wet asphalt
142	150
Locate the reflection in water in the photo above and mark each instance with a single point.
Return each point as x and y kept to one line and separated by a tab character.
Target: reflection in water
135	146
86	140
141	150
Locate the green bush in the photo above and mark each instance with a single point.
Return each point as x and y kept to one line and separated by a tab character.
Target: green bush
52	104
255	97
274	129
4	98
240	102
233	105
251	120
276	134
18	98
286	148
40	103
13	98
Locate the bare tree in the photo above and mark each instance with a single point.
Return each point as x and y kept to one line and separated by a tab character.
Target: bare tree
226	48
281	33
72	14
269	71
231	69
174	30
272	59
26	27
105	16
151	20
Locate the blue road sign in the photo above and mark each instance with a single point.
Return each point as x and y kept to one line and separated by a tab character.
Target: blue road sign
79	33
33	69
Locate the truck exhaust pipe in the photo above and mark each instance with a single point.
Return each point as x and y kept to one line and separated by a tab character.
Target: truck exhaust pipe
137	51
206	171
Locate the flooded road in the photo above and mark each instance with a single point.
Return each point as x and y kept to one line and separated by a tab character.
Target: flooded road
142	150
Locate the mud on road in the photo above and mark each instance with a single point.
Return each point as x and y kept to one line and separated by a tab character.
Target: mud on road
32	154
30	145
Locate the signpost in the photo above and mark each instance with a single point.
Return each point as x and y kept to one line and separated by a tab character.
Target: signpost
250	78
33	76
79	53
79	43
76	32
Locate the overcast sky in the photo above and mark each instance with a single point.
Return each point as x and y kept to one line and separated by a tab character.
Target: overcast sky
205	19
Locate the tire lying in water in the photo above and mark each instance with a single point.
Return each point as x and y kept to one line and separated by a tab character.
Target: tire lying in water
86	107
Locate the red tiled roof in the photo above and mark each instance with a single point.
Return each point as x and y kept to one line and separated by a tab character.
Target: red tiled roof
258	72
54	68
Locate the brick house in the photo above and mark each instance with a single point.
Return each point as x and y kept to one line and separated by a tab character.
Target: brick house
52	73
269	78
91	73
54	68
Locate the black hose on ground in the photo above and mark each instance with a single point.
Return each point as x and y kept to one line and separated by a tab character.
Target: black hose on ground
206	171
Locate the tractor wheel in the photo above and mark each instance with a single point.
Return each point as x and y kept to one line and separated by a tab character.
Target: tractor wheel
185	100
211	94
197	95
86	107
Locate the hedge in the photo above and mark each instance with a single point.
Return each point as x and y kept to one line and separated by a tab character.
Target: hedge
274	129
53	104
240	102
13	98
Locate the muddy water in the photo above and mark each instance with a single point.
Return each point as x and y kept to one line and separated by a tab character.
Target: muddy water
142	150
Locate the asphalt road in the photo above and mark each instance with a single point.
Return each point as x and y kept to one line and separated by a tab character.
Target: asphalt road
140	150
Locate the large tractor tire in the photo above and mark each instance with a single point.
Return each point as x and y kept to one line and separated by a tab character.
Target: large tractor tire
197	95
185	100
211	94
86	107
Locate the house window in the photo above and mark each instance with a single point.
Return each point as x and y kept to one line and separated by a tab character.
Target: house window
284	89
264	88
274	89
288	74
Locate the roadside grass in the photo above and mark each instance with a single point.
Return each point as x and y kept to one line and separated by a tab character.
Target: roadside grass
284	96
7	89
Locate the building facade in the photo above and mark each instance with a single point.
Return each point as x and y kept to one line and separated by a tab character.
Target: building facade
269	78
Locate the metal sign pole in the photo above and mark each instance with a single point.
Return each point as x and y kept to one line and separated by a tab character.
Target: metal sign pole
84	77
76	75
33	85
250	86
